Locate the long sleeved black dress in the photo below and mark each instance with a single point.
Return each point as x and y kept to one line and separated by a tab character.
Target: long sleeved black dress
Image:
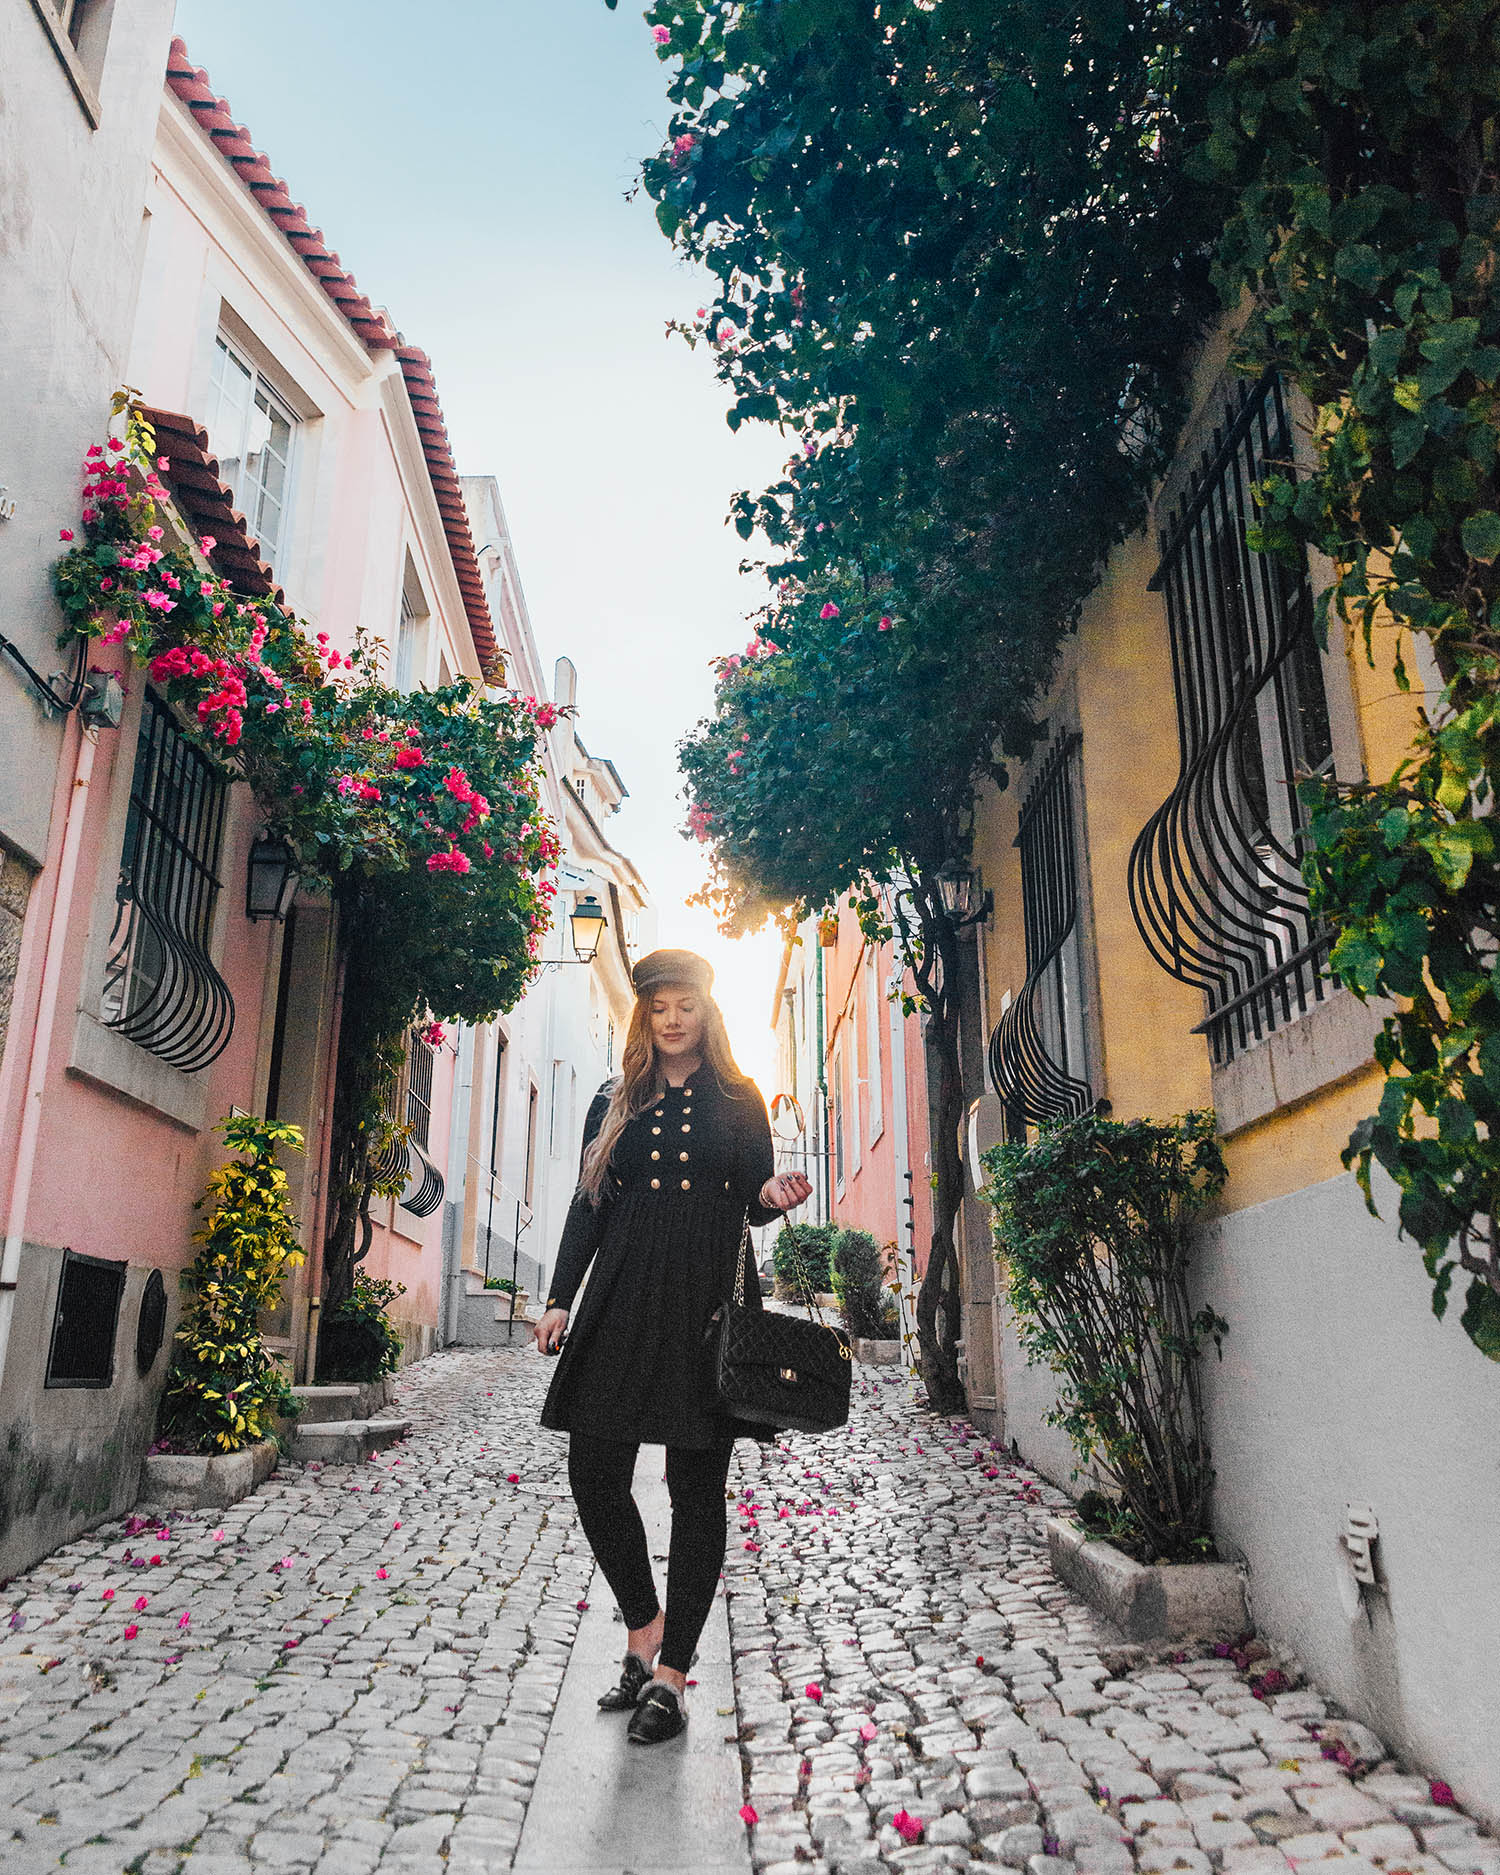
664	1242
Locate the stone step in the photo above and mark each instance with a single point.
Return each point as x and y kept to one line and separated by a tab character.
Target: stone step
321	1404
347	1441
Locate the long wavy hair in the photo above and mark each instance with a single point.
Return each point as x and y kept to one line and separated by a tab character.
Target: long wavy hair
642	1079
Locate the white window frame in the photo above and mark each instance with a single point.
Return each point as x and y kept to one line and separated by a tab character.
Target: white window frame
839	1141
240	438
873	1002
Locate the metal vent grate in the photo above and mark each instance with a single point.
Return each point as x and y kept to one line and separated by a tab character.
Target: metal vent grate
82	1353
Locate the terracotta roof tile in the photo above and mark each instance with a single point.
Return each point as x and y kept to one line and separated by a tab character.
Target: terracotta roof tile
189	82
207	505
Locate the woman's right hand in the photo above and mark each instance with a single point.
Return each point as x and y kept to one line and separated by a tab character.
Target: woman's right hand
548	1332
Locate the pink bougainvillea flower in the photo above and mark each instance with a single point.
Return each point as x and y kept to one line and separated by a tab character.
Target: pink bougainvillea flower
814	1691
139	1604
868	1730
216	1536
131	1630
381	1574
661	34
908	1827
185	1619
207	543
65	533
1442	1794
754	1548
512	1477
885	624
749	1815
107	1596
830	610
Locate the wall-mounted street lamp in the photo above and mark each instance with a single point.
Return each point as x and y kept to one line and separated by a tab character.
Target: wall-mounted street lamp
270	878
959	890
589	923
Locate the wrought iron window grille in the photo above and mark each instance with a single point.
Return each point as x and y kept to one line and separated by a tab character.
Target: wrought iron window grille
1215	874
408	1101
161	989
1032	1063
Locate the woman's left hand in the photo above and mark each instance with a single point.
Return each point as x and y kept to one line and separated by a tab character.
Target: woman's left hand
785	1191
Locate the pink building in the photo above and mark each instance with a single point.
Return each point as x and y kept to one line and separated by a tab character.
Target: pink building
851	1105
307	440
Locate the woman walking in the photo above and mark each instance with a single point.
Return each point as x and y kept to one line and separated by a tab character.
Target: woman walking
676	1155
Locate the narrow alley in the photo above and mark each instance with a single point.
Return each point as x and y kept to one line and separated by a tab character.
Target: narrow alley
356	1669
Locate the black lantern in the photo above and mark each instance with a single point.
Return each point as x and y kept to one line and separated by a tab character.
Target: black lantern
588	922
958	888
270	879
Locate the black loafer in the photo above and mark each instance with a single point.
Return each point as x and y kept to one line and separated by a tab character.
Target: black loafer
658	1717
633	1679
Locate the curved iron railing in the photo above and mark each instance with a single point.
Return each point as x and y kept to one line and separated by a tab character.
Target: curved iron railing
430	1186
161	989
1214	876
1023	1070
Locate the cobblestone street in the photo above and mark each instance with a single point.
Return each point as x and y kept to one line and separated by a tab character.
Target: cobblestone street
355	1669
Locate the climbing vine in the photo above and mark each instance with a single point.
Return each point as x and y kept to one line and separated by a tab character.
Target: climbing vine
1359	144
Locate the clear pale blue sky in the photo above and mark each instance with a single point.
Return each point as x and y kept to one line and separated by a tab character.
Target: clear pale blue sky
468	161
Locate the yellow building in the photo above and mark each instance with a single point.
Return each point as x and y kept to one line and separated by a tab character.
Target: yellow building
1152	948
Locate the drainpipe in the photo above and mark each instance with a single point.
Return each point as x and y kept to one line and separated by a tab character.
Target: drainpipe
41	1040
314	1265
904	1204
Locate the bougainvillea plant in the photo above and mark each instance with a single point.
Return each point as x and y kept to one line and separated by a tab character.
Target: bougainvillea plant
964	268
419	812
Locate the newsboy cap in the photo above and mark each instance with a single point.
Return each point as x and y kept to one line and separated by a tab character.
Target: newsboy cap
685	969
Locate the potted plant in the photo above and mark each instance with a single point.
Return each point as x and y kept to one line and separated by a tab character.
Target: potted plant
858	1271
225	1390
1094	1226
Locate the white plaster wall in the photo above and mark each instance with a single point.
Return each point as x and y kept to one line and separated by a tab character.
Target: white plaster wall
70	239
1338	1386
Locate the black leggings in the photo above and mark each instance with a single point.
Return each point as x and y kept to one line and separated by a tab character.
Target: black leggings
600	1472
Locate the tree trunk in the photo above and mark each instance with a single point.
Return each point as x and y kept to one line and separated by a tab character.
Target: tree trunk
940	1298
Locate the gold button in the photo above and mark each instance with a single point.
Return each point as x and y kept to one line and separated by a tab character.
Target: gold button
656	1155
686	1127
656	1184
688	1092
682	1155
658	1113
726	1184
656	1129
687	1184
687	1110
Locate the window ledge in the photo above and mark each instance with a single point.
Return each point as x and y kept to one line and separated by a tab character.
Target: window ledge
67	54
1334	1040
123	1067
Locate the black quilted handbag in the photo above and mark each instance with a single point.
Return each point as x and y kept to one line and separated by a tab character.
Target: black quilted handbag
779	1370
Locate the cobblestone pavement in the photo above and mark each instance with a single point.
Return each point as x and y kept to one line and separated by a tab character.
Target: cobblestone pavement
370	1656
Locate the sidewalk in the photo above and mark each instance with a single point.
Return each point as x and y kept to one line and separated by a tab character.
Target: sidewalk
372	1660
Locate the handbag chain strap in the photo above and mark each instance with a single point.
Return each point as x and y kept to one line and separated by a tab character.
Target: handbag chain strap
799	1271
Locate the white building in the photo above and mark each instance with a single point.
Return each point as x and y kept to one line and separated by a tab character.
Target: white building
526	1080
